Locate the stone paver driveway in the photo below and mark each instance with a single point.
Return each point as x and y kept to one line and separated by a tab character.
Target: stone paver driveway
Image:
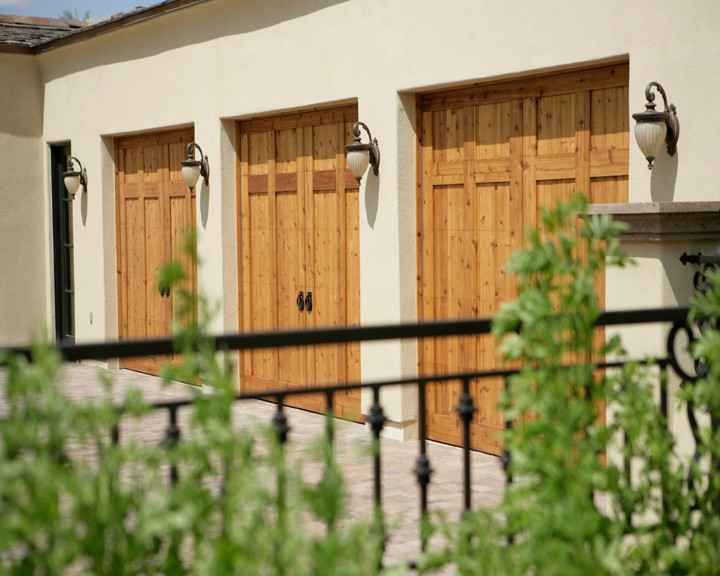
400	491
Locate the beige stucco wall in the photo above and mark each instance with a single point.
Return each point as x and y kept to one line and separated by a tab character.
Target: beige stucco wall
226	59
24	202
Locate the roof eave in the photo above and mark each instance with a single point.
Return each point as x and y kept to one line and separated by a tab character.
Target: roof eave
15	49
112	25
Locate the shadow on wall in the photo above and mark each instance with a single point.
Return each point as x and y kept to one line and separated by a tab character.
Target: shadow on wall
663	178
657	267
203	191
82	195
215	20
372	196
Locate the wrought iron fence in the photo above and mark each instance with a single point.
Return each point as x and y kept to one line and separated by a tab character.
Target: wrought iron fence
674	319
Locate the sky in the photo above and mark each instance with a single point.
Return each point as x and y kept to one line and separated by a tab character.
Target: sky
53	8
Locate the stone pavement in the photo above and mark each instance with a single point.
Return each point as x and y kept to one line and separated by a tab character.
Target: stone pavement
352	442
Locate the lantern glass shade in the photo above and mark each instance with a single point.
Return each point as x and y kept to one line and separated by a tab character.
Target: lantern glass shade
72	182
191	173
650	137
358	161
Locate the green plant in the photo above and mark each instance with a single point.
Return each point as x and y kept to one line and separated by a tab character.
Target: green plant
555	401
74	500
58	510
74	15
572	510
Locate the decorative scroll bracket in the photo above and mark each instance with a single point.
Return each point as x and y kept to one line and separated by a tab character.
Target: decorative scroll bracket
708	263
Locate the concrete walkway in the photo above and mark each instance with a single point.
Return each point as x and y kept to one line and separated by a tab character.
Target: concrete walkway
400	491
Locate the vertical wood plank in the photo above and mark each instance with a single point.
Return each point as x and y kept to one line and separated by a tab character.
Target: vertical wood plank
583	123
271	253
121	239
134	270
340	233
517	208
289	248
244	251
308	236
427	270
529	153
349	407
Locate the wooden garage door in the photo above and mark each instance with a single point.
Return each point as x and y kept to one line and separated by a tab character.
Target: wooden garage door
491	156
299	232
155	210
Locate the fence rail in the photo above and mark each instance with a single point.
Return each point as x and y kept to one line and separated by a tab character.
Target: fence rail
375	418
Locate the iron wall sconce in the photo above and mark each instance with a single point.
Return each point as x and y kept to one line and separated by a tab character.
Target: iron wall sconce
359	155
192	169
74	178
653	128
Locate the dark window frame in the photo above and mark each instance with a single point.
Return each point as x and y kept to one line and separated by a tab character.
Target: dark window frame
63	247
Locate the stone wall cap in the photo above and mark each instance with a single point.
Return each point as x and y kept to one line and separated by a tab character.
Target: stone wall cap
665	221
655	208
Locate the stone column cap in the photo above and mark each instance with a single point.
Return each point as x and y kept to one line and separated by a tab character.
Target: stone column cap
665	221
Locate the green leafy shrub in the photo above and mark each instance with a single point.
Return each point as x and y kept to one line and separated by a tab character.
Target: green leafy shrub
72	500
571	510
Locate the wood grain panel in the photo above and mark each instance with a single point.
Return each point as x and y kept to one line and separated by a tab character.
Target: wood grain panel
613	162
607	77
300	120
491	157
155	211
294	187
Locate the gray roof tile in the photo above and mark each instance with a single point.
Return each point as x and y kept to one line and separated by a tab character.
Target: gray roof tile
26	31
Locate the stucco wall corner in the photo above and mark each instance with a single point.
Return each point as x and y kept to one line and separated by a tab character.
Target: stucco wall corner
24	301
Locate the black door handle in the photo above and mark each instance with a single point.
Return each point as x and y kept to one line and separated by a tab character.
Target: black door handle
300	301
308	302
